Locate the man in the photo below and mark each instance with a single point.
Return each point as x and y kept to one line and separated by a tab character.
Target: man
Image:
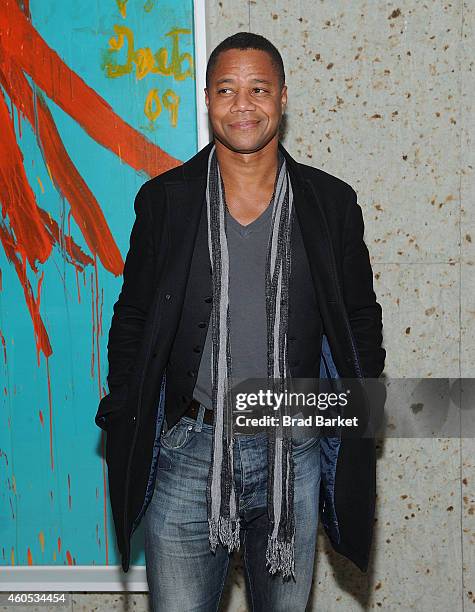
242	264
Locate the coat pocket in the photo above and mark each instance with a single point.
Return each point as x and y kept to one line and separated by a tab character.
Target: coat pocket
110	407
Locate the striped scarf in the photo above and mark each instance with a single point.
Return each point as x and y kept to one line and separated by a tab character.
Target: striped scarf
222	499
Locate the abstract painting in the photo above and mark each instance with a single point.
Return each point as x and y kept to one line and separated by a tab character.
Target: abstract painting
96	97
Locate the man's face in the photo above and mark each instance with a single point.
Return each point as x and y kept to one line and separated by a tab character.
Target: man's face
244	100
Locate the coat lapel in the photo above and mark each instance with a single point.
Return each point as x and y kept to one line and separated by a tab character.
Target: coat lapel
314	230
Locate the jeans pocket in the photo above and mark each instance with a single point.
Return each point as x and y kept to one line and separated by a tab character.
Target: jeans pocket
300	444
176	437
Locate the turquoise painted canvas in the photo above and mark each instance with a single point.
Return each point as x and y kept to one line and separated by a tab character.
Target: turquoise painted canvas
95	99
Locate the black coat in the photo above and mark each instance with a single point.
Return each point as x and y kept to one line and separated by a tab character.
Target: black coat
147	314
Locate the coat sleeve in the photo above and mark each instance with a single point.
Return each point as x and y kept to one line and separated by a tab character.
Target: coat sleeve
364	312
130	310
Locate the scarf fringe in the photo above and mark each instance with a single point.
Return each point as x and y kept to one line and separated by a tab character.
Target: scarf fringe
224	530
280	556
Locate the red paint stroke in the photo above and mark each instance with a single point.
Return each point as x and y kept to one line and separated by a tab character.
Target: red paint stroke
50	405
4	347
74	254
69	558
22	43
41	538
76	271
59	544
77	285
41	337
101	309
69	492
32	241
30	557
42	420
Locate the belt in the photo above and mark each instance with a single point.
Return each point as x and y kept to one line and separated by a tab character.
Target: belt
193	409
208	417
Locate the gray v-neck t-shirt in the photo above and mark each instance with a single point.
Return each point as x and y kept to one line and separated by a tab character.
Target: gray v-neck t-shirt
247	246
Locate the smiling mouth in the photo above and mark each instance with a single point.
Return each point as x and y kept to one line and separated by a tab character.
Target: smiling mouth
244	125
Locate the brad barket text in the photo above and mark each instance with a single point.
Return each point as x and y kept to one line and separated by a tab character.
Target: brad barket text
313	420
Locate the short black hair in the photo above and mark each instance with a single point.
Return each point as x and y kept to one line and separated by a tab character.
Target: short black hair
247	40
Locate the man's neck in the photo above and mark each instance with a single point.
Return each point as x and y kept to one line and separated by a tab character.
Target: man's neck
248	172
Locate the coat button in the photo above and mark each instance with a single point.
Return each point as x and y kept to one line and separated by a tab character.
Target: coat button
197	349
208	299
167	296
134	418
202	324
191	373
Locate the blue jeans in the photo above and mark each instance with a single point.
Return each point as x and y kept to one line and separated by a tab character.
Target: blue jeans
183	573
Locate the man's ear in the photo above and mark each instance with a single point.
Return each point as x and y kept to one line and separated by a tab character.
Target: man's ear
284	96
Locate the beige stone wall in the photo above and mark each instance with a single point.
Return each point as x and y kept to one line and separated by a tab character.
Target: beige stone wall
380	94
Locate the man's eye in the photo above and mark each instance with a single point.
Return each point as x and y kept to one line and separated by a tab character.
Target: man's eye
260	88
224	89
